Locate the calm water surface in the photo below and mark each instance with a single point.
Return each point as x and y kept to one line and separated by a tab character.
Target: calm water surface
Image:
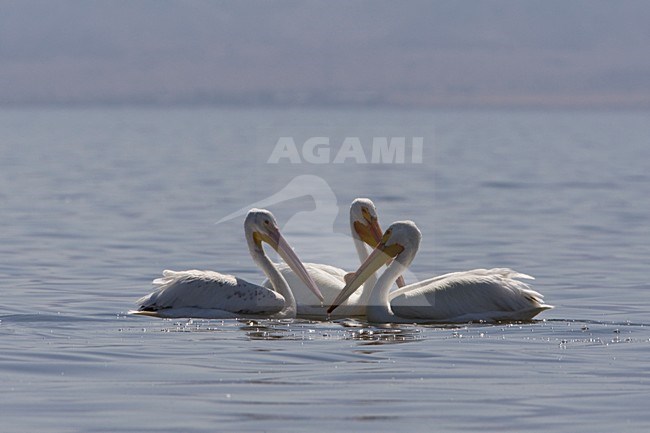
96	202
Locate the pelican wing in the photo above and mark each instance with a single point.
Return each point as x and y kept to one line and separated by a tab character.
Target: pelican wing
480	294
330	281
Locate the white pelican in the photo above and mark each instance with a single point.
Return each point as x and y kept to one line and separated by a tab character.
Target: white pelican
486	295
365	229
207	294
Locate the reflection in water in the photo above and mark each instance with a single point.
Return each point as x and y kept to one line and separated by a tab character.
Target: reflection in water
385	335
301	330
256	330
278	329
308	330
569	332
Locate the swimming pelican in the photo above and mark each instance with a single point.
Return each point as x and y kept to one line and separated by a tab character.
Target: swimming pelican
207	294
365	230
481	294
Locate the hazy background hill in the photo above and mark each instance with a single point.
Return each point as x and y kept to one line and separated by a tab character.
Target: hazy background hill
581	53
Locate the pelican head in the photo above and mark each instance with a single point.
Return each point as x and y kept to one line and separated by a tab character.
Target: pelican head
400	243
365	225
262	227
399	240
364	221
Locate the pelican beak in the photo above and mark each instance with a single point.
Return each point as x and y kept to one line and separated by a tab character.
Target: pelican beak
275	239
379	257
371	234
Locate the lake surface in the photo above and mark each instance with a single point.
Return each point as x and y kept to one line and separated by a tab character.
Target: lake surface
97	202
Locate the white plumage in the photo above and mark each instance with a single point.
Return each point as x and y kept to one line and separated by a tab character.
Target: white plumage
479	294
208	294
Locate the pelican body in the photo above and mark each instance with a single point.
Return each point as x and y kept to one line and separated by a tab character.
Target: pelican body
478	295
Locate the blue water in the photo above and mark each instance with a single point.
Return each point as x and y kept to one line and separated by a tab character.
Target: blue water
97	202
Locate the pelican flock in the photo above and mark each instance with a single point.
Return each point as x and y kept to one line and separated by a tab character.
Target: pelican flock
296	290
